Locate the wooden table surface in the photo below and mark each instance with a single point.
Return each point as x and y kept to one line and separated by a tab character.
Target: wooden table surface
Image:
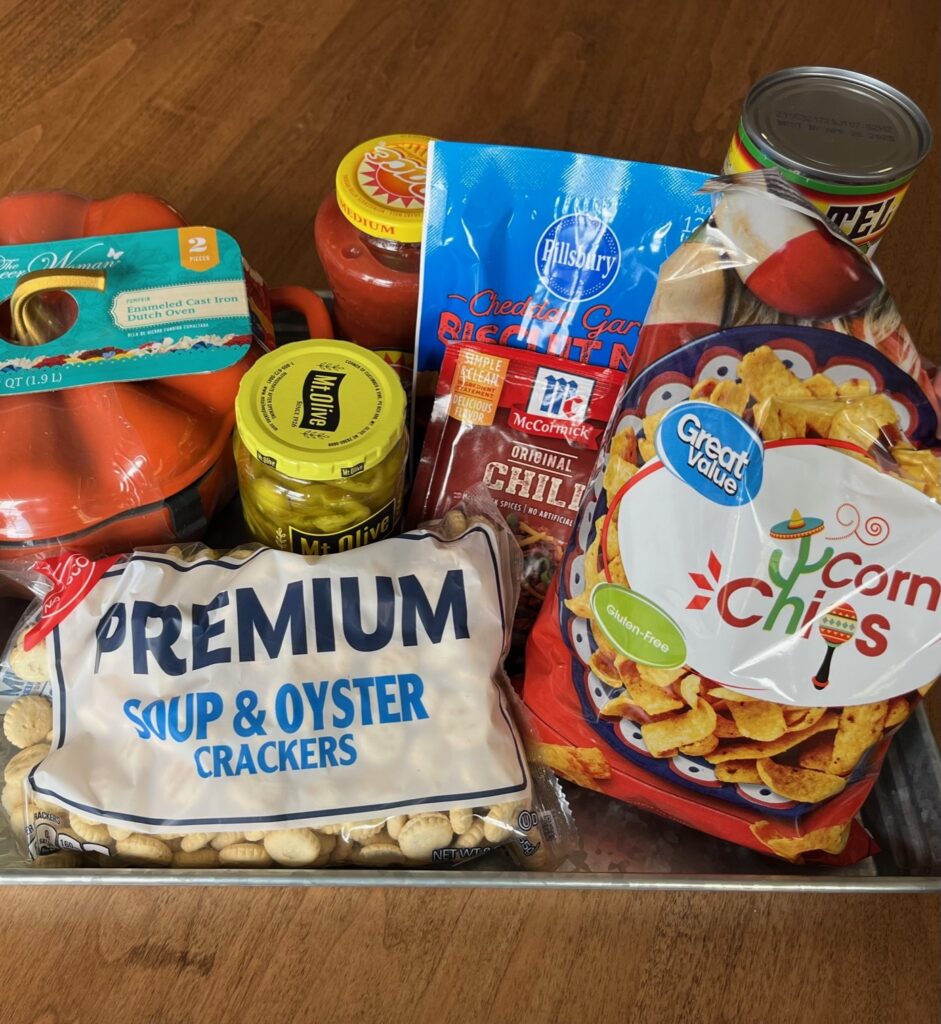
238	112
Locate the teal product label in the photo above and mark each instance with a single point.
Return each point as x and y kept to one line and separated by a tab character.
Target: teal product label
174	302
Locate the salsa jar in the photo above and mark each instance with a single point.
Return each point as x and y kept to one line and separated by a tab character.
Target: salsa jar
321	447
368	237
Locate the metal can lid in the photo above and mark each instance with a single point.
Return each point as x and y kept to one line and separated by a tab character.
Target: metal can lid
836	125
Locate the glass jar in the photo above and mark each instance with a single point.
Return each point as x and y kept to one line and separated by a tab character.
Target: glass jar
368	237
321	447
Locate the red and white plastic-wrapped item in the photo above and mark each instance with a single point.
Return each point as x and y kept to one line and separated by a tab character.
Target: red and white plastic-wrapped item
258	708
747	609
767	256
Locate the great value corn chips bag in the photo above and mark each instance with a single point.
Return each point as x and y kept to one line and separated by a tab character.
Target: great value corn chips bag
747	609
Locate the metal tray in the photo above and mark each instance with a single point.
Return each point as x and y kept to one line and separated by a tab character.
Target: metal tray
623	848
619	847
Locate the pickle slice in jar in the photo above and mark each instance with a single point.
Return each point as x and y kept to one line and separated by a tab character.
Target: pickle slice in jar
340	519
330	495
370	480
385	475
263	528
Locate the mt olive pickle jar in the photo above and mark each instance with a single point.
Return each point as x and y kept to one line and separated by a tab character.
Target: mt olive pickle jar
321	447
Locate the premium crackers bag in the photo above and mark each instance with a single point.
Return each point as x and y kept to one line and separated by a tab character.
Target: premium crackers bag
257	708
747	609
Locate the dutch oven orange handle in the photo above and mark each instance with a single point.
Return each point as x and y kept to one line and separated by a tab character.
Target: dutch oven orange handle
309	304
28	326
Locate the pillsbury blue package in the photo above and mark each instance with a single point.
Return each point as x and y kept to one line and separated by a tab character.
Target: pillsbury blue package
550	251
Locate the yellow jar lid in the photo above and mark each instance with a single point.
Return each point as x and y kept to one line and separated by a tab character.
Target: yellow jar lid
381	186
320	410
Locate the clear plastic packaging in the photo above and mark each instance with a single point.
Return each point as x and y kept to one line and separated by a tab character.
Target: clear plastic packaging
101	456
766	256
746	611
427	767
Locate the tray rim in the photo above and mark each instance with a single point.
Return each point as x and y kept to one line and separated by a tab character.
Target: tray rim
421	879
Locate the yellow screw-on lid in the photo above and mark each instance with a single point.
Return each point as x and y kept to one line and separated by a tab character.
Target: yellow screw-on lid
320	410
381	186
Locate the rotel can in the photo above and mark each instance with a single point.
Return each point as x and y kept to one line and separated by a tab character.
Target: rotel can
849	142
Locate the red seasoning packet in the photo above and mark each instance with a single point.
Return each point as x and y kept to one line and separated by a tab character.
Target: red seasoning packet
529	426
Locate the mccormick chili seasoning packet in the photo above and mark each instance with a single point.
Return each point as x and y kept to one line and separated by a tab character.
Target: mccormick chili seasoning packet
528	425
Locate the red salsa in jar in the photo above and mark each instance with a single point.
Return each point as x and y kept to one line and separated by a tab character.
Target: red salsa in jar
368	236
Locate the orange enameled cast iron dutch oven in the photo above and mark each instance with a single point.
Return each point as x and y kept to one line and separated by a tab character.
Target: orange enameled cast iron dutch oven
103	468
